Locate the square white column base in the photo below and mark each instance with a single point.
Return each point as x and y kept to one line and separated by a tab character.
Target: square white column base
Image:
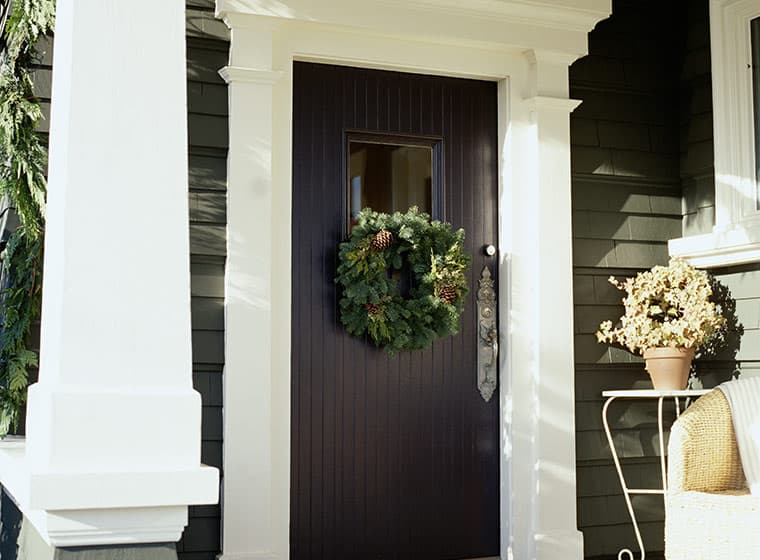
87	509
114	465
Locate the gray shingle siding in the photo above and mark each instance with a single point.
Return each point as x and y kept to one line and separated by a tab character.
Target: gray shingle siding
626	205
207	52
742	357
642	173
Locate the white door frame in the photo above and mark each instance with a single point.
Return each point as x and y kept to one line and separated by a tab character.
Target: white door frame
537	377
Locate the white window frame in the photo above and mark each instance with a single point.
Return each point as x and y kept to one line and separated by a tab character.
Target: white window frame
735	239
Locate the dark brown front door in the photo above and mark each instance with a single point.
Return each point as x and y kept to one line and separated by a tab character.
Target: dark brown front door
393	457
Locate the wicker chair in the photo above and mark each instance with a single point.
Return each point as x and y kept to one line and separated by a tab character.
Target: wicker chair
710	513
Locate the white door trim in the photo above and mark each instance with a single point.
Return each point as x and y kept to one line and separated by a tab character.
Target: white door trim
536	395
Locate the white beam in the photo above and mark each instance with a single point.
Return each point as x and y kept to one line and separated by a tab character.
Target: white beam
556	25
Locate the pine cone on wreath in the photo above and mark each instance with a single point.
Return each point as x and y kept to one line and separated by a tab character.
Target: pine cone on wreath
372	308
382	240
447	294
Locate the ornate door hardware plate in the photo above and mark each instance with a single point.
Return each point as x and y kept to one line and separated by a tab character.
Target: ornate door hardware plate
488	336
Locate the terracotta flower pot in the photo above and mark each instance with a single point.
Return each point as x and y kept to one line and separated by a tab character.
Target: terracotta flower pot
669	367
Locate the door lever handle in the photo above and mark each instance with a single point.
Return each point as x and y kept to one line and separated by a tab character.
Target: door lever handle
488	336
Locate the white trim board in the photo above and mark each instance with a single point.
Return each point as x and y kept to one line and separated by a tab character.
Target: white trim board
550	25
538	501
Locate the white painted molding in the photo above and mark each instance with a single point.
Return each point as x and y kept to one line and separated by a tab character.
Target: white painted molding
554	103
549	57
739	245
86	509
542	316
234	74
734	140
580	16
256	416
554	25
537	486
106	527
61	491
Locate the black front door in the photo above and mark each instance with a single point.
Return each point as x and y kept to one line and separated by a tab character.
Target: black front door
392	457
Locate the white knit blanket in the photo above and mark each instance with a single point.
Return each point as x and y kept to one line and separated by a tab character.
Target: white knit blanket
743	397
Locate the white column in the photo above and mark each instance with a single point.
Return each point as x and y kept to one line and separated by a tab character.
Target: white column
113	445
540	400
256	484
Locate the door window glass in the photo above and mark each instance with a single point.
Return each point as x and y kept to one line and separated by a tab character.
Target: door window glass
389	177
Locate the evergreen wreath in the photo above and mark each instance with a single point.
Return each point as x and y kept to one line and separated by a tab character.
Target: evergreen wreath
372	302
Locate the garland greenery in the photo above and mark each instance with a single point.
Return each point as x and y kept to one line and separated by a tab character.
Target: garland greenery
372	302
23	162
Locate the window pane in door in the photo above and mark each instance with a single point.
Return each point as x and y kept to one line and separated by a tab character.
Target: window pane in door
755	31
389	178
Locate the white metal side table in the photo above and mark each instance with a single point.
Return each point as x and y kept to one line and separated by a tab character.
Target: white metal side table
687	395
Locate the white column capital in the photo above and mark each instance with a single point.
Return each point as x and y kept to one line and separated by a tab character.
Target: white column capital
549	73
553	58
237	75
548	103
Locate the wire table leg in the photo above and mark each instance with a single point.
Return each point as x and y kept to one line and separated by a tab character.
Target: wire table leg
662	447
660	395
626	552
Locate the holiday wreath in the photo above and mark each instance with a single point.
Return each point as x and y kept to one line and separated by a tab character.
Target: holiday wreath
373	303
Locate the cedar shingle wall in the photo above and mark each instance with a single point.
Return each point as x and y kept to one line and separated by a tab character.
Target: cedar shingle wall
742	358
642	173
626	205
207	52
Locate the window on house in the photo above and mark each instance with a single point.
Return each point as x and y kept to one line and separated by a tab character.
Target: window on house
755	42
735	239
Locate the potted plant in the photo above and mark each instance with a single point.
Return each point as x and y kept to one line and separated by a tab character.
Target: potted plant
669	314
